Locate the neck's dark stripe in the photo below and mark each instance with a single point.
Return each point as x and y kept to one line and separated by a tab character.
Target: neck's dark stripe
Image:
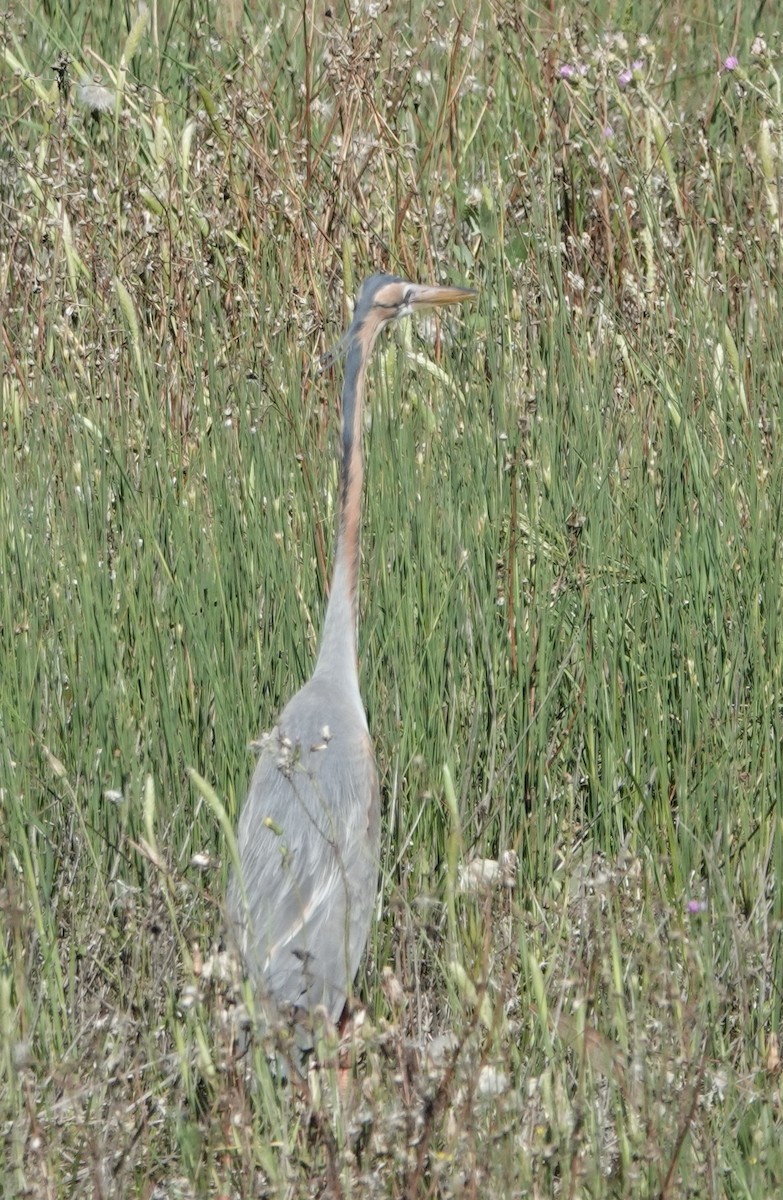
352	473
351	398
338	644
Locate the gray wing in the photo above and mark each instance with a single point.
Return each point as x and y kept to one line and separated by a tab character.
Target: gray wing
308	847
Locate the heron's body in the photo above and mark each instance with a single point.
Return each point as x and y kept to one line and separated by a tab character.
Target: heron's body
309	852
309	830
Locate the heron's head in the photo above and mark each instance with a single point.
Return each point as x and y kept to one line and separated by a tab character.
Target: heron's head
384	298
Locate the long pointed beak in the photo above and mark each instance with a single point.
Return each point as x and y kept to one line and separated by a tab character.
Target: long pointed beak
424	295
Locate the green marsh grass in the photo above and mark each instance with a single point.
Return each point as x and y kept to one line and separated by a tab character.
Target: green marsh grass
570	636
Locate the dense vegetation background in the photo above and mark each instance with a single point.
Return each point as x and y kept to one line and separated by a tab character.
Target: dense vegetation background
571	637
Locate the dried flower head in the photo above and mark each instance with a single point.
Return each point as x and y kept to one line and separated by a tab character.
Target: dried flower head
95	96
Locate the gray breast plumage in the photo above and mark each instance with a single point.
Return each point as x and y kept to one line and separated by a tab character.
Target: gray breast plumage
308	843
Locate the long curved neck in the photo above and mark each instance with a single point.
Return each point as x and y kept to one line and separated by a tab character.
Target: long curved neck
338	652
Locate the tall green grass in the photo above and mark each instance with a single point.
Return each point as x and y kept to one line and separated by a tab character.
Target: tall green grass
570	631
